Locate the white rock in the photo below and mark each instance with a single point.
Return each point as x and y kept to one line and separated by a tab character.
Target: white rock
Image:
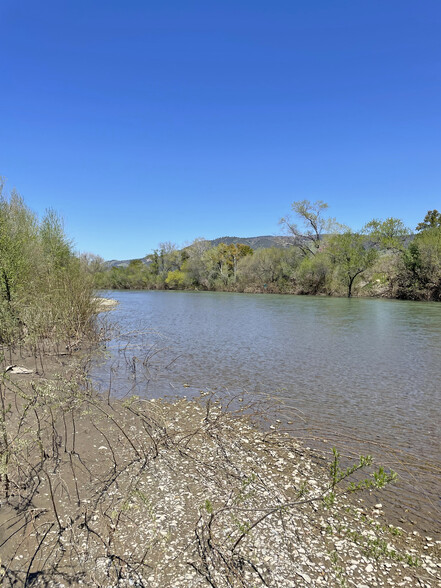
16	369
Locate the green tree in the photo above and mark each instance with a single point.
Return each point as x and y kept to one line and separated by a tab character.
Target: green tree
169	258
56	247
431	220
154	262
269	270
195	265
216	262
313	274
18	232
389	234
45	290
137	274
352	256
176	279
237	251
420	277
222	261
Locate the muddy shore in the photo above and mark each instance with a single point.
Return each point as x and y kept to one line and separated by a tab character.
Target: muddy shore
100	492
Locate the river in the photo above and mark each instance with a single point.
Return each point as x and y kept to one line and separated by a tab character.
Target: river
362	374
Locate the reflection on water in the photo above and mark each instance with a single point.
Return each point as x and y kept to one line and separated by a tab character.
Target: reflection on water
370	369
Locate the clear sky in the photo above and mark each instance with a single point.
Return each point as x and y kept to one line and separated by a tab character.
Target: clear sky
143	121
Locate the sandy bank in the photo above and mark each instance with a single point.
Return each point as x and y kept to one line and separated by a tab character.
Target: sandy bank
105	304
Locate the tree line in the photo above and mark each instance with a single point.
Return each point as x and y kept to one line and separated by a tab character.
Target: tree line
384	258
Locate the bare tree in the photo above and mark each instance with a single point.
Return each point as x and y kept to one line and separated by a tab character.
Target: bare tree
314	225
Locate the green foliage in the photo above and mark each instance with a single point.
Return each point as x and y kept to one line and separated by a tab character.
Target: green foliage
169	259
327	258
18	236
420	276
175	279
432	220
56	247
269	270
314	274
378	478
194	265
389	234
45	290
154	258
352	256
221	262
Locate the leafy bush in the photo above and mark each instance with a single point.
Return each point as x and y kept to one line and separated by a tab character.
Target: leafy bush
45	291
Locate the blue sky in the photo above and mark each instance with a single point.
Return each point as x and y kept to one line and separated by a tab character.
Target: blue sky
145	121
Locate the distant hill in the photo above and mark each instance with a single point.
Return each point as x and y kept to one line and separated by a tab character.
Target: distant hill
262	242
117	263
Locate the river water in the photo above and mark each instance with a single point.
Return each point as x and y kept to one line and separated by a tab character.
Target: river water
362	374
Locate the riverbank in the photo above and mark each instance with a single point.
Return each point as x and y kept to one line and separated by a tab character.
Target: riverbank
181	493
374	291
342	264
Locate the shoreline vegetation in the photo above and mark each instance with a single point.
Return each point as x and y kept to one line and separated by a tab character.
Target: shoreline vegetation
320	257
97	491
